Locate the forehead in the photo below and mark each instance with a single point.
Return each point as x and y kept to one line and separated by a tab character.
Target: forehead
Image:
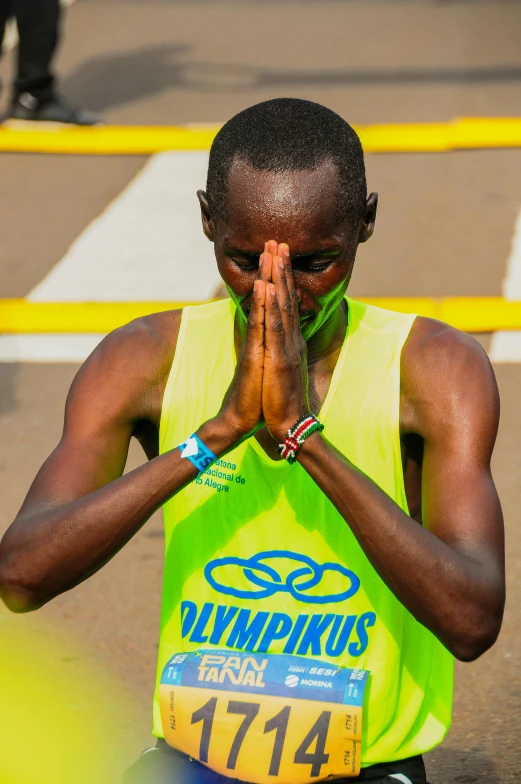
297	207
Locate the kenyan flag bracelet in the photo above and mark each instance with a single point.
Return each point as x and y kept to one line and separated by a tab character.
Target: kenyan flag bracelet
296	435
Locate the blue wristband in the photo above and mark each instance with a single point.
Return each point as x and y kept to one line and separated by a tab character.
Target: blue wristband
197	452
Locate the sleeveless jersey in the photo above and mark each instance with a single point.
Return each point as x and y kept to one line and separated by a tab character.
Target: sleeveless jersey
258	559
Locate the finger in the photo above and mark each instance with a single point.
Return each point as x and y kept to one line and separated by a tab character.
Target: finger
282	248
265	266
283	299
270	250
271	247
283	252
274	327
253	345
257	313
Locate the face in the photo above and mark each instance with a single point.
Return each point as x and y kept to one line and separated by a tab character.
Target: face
298	208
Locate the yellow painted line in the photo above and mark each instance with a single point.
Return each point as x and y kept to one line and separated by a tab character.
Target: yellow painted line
458	134
104	140
18	316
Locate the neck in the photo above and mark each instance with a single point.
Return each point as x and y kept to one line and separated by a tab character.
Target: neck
330	337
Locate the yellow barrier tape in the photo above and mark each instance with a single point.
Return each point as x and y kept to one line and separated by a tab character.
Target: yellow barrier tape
18	316
458	134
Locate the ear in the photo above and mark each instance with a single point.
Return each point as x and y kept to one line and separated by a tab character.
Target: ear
208	224
368	220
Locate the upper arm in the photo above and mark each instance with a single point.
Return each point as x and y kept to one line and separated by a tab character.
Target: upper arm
119	385
450	399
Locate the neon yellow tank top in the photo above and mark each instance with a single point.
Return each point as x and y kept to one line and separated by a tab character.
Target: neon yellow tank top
240	538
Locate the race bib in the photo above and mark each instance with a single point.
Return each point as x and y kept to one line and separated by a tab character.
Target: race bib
264	717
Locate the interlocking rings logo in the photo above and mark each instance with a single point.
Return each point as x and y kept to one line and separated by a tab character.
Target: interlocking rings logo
298	581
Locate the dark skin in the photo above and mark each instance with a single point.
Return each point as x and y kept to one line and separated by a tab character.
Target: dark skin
291	321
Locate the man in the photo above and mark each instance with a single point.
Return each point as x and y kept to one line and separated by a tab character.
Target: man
34	90
376	545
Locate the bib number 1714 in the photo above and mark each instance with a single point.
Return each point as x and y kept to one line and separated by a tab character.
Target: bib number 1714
311	750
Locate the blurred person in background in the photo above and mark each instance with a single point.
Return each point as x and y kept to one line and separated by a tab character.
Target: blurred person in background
34	94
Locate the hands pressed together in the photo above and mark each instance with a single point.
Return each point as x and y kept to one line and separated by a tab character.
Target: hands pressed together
270	385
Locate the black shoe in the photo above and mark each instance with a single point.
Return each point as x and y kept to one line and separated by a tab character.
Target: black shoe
27	107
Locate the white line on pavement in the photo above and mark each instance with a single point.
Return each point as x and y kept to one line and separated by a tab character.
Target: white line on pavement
506	346
148	245
47	348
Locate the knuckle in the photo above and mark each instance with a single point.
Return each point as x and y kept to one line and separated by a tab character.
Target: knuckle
278	325
288	307
294	296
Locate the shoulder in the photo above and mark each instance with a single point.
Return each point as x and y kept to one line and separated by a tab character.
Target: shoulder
131	366
445	374
433	345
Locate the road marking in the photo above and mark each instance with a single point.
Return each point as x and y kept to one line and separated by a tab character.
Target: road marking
148	245
19	316
506	346
460	134
47	323
47	348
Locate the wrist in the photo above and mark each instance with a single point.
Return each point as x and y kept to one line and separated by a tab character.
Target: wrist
280	431
296	437
221	434
310	446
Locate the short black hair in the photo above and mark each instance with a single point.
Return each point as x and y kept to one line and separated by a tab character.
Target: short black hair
289	134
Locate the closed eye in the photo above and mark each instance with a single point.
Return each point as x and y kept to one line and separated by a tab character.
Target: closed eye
313	263
246	263
318	265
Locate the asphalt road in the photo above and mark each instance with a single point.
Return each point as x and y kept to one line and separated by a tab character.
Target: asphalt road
445	227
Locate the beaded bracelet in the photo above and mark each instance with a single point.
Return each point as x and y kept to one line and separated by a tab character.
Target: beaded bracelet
296	435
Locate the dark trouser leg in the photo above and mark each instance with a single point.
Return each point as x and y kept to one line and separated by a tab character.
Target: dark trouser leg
410	770
38	23
162	765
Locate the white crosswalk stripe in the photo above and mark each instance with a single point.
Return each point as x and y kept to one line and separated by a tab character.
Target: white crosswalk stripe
506	346
148	245
47	348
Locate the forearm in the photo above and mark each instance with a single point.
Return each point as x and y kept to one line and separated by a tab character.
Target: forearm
446	590
47	552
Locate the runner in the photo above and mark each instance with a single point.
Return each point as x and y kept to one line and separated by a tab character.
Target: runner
324	468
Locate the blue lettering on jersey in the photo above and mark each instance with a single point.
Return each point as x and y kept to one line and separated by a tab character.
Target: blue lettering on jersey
256	631
262	576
